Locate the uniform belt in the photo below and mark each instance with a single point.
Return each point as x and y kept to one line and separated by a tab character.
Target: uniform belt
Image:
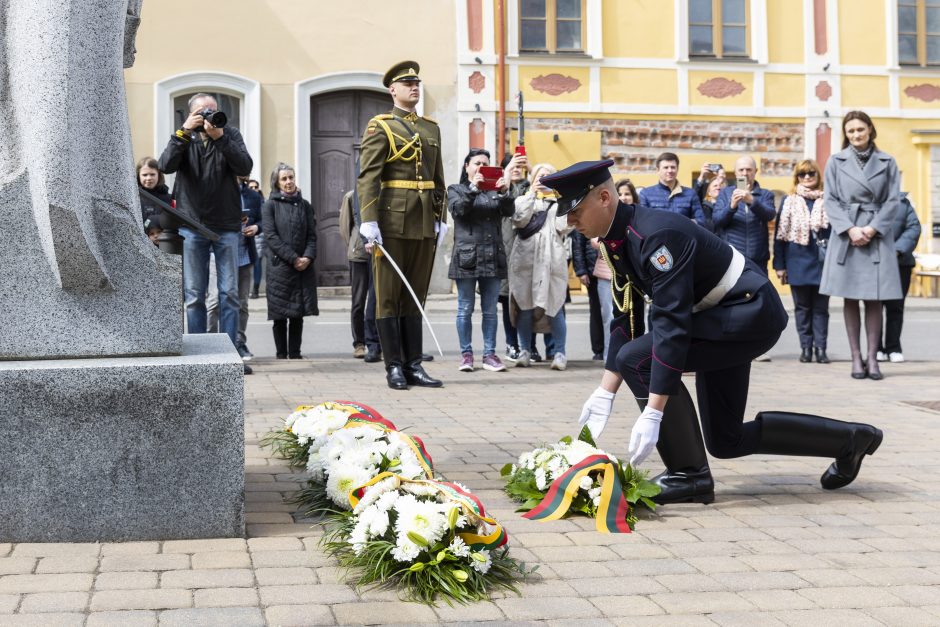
725	283
400	184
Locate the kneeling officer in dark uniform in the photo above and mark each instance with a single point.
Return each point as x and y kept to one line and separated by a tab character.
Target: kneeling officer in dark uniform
712	313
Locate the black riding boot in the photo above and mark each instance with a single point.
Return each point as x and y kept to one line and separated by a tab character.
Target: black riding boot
785	433
390	338
412	344
687	478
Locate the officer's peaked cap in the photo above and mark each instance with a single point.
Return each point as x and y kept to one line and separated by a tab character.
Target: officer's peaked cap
576	181
402	71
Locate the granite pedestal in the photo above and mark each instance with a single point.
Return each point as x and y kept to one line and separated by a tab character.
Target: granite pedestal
116	449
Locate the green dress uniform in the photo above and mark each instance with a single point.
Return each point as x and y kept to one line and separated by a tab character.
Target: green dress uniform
401	187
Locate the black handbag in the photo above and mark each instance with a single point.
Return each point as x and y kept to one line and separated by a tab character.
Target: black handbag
821	246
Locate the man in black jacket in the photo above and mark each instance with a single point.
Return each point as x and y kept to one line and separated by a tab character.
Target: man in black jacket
207	161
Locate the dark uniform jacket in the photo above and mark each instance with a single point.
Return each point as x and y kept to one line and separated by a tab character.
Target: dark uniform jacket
401	176
676	263
906	228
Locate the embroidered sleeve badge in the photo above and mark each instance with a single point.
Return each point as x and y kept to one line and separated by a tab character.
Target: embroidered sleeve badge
662	259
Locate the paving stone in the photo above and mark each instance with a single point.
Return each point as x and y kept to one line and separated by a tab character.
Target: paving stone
681	620
137	618
204	546
574	553
144	562
899	576
701	602
126	581
549	608
226	597
542	539
8	603
212	578
17	565
129	548
762	581
54	602
907	616
44	620
45	583
285	576
611	586
718	565
691	583
140	599
299	615
801	618
483	611
649	567
213	617
67	564
322	593
5	548
774	600
626	606
275	559
916	595
221	559
851	597
54	549
371	613
275	544
825	578
745	619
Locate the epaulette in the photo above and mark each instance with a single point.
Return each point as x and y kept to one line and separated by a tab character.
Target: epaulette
431	120
383	116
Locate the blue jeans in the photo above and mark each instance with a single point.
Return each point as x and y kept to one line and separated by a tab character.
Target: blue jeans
196	249
559	329
489	295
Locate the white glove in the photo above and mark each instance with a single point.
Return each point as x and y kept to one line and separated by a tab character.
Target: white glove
596	411
441	229
370	231
644	436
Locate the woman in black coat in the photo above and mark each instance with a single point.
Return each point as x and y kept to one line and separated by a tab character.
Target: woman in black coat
290	231
479	254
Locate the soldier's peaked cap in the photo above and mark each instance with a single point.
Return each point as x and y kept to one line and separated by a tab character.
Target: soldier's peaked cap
576	181
402	71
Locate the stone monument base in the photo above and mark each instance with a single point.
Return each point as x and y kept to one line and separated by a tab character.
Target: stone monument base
117	449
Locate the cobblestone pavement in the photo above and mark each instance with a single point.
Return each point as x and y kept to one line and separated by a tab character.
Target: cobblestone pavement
774	549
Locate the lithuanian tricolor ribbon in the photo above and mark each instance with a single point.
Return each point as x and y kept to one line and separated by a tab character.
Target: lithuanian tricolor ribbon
613	507
488	533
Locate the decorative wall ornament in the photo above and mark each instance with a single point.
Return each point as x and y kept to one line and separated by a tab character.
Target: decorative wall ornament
925	92
476	82
720	88
823	90
555	84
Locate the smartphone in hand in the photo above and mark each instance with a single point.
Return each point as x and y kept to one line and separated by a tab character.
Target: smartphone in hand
491	174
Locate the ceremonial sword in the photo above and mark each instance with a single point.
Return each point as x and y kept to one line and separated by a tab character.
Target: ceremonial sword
401	275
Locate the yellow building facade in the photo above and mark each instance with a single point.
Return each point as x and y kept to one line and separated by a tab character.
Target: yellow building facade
709	80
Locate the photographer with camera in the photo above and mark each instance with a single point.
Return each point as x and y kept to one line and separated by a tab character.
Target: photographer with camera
207	156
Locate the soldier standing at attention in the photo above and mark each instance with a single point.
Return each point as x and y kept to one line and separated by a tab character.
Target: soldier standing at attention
401	195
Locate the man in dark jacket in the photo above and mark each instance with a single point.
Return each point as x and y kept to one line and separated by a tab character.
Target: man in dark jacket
207	161
743	211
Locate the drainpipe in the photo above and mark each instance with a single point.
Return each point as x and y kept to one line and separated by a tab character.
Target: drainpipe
501	79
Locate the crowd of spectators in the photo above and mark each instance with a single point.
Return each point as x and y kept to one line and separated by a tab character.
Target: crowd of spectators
847	232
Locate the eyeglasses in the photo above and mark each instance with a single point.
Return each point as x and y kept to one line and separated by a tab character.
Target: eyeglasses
804	175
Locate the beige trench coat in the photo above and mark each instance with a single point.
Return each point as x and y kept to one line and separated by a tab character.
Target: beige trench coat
538	266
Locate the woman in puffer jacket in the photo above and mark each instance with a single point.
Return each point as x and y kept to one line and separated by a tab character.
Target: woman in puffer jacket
479	256
290	231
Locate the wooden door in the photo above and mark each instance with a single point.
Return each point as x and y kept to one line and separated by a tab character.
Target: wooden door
337	121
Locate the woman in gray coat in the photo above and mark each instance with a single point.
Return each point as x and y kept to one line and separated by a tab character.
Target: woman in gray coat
862	192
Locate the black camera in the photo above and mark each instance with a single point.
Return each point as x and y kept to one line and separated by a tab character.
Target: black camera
217	119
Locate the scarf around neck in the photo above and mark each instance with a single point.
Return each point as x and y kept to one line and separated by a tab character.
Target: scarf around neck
862	156
796	220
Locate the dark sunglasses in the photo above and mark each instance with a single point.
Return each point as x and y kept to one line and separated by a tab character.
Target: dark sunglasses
805	174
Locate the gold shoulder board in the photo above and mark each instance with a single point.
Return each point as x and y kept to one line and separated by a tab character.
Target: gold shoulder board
383	116
432	121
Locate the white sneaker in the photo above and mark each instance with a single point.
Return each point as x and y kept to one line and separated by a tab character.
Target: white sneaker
560	362
764	357
880	356
522	361
896	358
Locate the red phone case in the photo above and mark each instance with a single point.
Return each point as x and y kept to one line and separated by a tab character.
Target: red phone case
491	174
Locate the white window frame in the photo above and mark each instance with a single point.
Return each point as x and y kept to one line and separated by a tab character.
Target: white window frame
248	92
760	52
593	47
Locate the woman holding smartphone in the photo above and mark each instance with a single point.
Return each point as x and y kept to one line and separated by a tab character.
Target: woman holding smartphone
478	205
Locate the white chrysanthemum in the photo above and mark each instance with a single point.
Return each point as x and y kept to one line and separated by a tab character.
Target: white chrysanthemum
594	492
596	500
481	561
540	480
406	551
374	491
342	479
387	500
420	489
586	482
378	525
458	547
424	518
578	451
316	422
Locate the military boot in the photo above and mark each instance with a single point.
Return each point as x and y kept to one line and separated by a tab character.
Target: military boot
390	338
412	343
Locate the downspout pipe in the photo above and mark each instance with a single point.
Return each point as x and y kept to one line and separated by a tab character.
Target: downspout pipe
501	79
